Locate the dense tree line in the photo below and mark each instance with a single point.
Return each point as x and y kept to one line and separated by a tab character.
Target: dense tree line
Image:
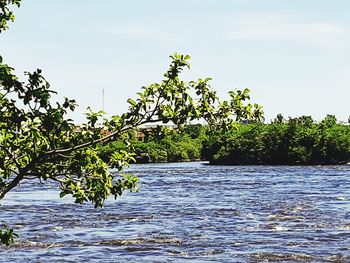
296	141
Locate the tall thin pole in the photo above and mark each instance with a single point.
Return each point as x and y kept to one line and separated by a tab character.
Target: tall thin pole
103	99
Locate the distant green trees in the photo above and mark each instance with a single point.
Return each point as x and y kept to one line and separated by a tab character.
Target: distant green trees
162	145
297	141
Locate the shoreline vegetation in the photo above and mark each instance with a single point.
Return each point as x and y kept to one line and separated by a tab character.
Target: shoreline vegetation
296	141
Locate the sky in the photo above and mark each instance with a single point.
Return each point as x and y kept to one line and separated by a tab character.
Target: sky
294	55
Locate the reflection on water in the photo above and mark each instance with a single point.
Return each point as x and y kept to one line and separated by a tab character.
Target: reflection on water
191	212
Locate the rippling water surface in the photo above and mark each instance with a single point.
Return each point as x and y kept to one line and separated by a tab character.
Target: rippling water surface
191	212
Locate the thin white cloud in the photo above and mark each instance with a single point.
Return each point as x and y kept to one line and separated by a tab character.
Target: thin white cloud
279	27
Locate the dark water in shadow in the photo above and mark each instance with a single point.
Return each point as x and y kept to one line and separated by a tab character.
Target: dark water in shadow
191	212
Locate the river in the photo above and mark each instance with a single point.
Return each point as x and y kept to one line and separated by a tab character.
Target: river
190	212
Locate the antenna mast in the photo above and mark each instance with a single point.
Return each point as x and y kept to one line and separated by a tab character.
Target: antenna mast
103	99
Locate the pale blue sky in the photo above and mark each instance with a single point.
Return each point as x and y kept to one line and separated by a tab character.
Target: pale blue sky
294	55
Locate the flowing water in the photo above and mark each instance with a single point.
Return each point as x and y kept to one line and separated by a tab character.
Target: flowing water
190	212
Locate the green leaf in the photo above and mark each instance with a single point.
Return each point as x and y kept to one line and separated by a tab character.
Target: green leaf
132	102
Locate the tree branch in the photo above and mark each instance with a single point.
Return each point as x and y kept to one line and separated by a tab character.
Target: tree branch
12	184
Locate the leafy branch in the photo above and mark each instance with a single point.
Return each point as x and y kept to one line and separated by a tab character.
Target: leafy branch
38	141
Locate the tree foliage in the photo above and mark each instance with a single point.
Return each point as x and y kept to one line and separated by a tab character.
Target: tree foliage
6	14
38	140
290	142
7	236
164	145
